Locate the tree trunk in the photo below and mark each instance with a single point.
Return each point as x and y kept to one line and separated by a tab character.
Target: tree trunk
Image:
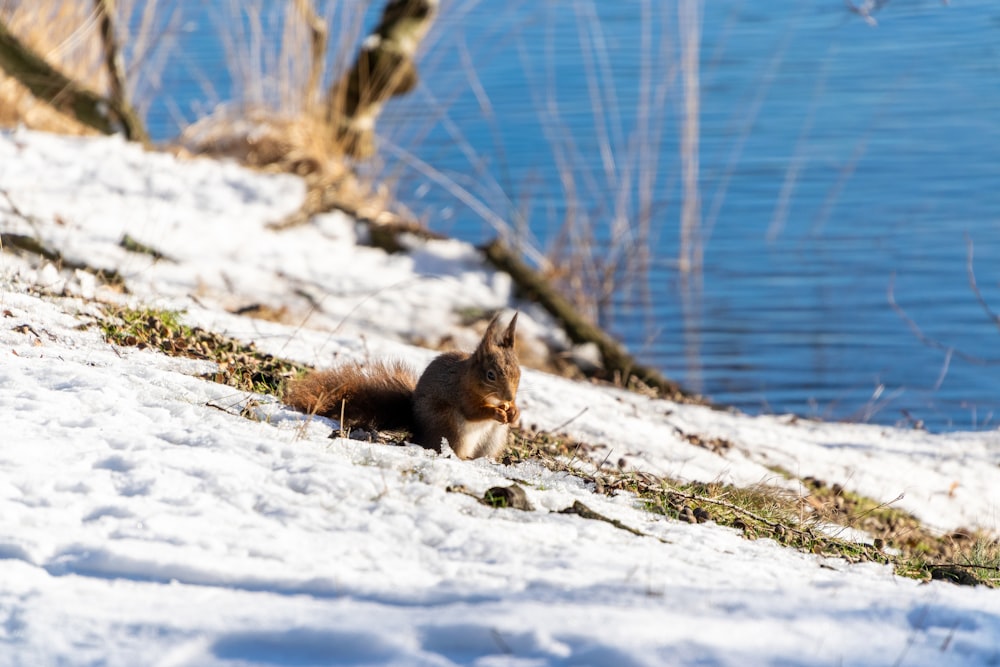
131	125
384	68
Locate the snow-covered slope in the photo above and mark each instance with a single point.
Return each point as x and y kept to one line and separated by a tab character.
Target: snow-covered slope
143	522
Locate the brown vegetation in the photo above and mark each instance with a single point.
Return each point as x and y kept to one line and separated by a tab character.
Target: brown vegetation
67	35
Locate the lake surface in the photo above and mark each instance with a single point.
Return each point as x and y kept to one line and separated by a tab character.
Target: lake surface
838	160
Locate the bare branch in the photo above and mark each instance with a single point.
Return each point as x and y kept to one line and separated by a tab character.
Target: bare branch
115	65
112	54
975	287
949	350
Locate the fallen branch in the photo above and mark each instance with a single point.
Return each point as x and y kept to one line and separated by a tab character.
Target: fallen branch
585	512
616	360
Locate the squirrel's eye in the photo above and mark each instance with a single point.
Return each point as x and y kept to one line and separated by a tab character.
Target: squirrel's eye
491	376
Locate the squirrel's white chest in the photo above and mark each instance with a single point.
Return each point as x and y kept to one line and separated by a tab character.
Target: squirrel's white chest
480	438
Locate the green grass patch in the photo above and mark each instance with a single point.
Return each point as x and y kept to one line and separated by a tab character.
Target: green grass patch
798	521
133	245
240	365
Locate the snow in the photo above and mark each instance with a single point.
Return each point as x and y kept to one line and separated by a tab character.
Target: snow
144	522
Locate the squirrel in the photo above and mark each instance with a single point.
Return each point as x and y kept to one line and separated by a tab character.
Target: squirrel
466	399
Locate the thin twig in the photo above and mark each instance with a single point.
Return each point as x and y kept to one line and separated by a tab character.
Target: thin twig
854	519
112	54
30	219
220	408
575	452
927	340
568	421
975	287
945	365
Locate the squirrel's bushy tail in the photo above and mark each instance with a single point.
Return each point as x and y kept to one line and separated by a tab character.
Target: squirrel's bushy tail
376	395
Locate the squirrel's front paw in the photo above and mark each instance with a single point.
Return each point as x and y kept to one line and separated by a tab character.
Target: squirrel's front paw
500	414
513	414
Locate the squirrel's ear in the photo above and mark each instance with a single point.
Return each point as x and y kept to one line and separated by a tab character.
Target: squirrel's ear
490	337
508	335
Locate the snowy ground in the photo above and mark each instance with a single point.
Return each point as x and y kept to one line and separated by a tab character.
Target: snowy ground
142	525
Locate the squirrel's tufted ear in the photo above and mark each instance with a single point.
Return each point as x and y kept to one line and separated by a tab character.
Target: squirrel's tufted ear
494	338
508	336
490	338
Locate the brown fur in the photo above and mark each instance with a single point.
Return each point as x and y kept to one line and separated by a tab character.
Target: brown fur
375	395
466	399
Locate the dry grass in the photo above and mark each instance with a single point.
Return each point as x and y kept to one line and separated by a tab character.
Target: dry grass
274	117
66	33
615	207
282	58
271	50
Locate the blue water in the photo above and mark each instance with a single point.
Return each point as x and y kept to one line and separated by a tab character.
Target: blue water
837	159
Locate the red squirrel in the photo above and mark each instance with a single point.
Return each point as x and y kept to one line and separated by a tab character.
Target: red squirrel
466	399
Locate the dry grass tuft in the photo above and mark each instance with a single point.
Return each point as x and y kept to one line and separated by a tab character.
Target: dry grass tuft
280	58
84	44
67	34
267	139
303	144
